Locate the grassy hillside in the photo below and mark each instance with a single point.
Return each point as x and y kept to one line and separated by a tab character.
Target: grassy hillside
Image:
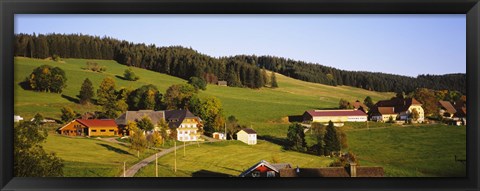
427	150
89	157
227	158
266	109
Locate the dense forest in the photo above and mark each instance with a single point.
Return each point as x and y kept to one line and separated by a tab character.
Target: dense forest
240	71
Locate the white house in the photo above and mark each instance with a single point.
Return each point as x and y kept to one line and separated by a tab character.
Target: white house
248	136
17	118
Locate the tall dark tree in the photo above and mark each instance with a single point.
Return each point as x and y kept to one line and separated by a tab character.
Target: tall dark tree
296	137
86	92
368	102
332	144
198	83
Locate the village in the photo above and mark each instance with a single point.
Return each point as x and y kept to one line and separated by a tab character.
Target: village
186	127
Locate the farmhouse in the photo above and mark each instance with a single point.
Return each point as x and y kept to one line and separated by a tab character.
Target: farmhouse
446	109
90	127
346	115
248	136
183	121
266	169
402	107
383	114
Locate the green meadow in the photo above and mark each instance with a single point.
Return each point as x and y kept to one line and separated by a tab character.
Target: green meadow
420	150
91	157
227	158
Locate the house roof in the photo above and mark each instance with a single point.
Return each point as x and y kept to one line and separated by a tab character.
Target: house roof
154	116
274	167
447	106
399	104
97	122
386	110
357	105
249	131
327	113
176	117
331	172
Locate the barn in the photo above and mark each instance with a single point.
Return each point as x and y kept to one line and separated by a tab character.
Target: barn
90	127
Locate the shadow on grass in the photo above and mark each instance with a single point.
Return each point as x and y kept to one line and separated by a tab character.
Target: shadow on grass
71	99
24	85
121	77
117	150
207	173
275	140
295	118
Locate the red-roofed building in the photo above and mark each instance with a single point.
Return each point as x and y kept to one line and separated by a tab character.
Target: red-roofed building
90	127
336	116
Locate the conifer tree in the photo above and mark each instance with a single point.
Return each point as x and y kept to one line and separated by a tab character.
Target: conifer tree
86	92
274	80
332	144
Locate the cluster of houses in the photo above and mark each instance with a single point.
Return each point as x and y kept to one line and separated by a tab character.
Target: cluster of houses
183	121
397	110
266	169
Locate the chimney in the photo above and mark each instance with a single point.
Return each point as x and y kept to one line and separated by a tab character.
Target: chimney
353	169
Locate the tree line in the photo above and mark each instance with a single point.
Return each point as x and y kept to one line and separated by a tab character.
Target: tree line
238	71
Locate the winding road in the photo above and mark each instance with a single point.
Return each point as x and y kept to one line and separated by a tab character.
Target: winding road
130	172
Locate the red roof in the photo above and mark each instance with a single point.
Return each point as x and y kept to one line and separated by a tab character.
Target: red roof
98	122
328	113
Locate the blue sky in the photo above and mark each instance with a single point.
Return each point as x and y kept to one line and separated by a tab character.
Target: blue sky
399	44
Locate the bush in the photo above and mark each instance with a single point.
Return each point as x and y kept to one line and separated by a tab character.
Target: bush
47	78
93	66
198	83
130	75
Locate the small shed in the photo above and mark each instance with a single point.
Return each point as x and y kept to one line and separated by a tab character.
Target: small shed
222	83
220	136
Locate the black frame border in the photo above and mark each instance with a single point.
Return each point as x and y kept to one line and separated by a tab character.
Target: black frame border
8	8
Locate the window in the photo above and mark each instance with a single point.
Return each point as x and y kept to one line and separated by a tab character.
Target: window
103	130
111	130
94	130
270	173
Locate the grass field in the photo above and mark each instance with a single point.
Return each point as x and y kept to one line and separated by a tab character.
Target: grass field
402	151
266	109
90	157
227	158
426	150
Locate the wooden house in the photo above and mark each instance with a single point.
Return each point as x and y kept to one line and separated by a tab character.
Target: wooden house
265	169
90	127
222	83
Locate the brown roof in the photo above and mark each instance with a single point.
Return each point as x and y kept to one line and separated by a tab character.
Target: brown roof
447	106
357	104
176	117
98	122
325	113
154	116
249	131
386	110
331	172
400	105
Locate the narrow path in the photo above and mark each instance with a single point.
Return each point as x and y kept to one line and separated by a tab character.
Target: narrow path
130	172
